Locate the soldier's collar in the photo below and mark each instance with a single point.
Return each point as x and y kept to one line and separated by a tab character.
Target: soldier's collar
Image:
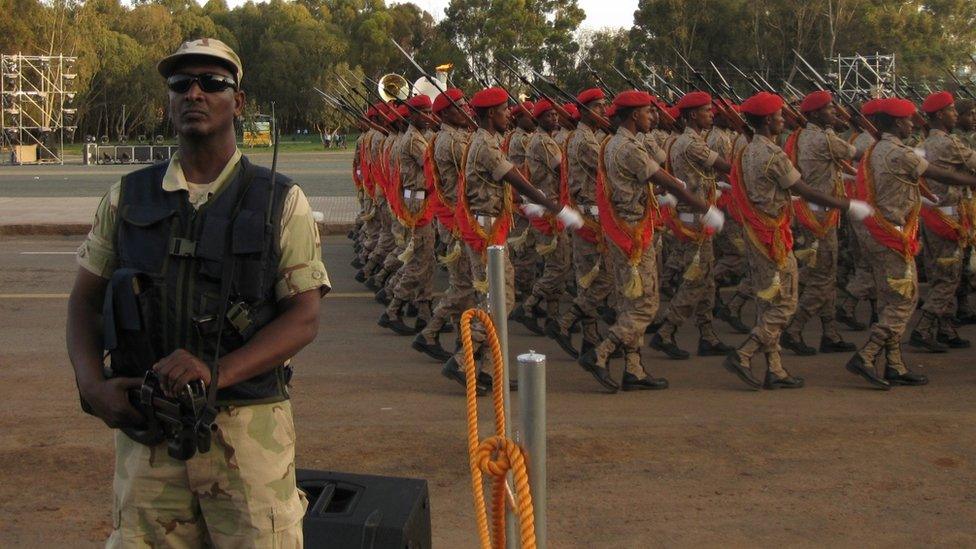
890	137
174	179
623	131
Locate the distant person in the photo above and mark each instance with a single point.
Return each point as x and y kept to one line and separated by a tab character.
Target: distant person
214	285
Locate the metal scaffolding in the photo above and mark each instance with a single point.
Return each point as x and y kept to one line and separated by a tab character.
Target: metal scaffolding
36	92
865	75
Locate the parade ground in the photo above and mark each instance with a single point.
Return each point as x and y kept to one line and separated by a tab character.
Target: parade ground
705	463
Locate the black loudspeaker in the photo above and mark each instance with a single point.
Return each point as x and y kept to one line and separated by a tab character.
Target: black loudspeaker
347	511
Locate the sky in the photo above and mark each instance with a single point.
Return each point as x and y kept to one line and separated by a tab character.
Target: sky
599	13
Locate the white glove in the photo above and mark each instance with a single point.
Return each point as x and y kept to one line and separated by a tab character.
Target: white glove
718	194
713	219
318	216
570	218
723	185
533	211
919	151
929	202
849	177
682	183
859	210
667	200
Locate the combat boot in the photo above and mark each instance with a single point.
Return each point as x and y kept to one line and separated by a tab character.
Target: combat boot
739	362
732	313
636	377
896	372
949	336
595	360
664	341
424	313
776	376
395	316
792	335
554	329
708	342
525	314
831	341
452	370
862	363
924	336
430	346
846	314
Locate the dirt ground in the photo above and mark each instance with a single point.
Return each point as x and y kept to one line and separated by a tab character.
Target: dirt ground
705	463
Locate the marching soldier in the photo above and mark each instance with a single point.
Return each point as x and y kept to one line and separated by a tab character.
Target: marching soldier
390	270
947	219
594	282
693	162
448	150
485	207
544	160
627	206
415	283
888	176
820	155
524	257
764	178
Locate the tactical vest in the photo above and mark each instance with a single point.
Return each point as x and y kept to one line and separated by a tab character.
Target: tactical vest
184	253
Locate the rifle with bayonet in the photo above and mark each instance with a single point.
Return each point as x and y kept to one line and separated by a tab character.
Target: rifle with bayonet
962	87
435	82
663	114
721	104
729	90
599	119
350	112
845	112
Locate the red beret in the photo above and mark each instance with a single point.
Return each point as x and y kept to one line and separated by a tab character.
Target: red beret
523	108
611	110
674	112
762	104
572	110
489	97
632	98
403	111
541	107
591	94
869	107
894	106
444	99
693	100
419	102
937	101
816	100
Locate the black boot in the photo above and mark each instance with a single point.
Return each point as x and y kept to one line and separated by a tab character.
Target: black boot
633	383
849	320
564	340
433	350
519	315
739	362
948	335
452	370
838	346
796	344
908	378
713	348
669	347
592	363
924	336
862	363
788	382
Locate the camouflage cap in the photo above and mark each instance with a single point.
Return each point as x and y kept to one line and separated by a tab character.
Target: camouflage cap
203	47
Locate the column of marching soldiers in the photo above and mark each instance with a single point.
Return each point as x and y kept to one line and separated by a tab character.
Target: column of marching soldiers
609	204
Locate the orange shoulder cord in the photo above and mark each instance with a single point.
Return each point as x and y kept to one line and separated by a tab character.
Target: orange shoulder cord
670	218
471	231
905	240
770	235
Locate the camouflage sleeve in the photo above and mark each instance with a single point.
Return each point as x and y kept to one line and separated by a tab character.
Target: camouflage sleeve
300	268
97	253
639	163
698	152
495	162
781	170
839	148
964	155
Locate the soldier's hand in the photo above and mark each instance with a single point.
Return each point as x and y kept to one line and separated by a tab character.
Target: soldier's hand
570	218
858	210
178	369
109	400
714	219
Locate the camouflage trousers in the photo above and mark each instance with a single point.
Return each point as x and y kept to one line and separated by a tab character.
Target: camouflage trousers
943	261
587	256
860	285
633	313
896	281
479	277
552	283
525	259
729	248
242	493
818	282
775	300
460	294
696	284
416	281
385	241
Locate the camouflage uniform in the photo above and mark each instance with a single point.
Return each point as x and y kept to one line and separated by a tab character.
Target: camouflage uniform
859	286
386	241
372	224
767	175
728	245
460	295
416	280
243	491
544	158
819	154
691	160
524	257
943	259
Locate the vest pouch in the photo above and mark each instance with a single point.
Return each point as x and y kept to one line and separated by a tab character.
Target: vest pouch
128	316
248	244
143	237
210	247
207	323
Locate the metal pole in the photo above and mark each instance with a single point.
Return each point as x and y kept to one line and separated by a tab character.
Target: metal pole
532	427
499	315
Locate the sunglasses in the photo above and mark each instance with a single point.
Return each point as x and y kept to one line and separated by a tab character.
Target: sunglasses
209	83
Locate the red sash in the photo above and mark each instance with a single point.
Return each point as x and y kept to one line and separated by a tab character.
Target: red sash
631	238
407	217
770	235
905	241
947	228
591	230
439	204
474	235
804	215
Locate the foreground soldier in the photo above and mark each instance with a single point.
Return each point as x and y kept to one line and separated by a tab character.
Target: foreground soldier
627	206
946	228
888	176
243	491
764	178
484	211
819	154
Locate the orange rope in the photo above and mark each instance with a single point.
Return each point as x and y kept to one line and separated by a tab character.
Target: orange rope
496	455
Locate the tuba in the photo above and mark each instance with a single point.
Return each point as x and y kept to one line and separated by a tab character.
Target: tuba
393	87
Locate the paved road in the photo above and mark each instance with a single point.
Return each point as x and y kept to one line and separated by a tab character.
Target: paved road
319	174
704	463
